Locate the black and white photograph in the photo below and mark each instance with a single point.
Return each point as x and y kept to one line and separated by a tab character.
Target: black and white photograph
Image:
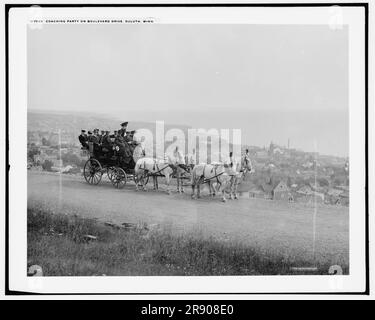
192	149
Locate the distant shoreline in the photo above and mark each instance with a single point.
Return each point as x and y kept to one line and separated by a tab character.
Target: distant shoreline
168	125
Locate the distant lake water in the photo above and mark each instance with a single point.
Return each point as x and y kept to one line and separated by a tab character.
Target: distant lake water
324	131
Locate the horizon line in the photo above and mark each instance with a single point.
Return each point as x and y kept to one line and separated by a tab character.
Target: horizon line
110	116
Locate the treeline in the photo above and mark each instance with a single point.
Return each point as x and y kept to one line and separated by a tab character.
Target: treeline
72	159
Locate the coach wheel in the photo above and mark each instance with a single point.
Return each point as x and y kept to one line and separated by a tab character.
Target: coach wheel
92	171
119	178
110	172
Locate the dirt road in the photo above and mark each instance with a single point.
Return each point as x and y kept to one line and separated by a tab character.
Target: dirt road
273	225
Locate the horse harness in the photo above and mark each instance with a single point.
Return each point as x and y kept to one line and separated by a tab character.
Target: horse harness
215	176
156	166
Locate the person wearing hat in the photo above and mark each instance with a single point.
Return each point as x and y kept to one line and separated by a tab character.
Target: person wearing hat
127	137
132	133
122	131
89	140
92	137
120	142
83	139
105	142
100	136
105	137
108	139
123	143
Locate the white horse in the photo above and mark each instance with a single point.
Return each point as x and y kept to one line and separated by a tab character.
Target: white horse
207	173
239	175
225	177
180	170
139	152
153	167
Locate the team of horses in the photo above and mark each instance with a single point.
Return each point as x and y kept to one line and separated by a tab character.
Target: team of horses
220	177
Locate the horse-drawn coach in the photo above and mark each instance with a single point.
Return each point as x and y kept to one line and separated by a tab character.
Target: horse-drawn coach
123	160
118	168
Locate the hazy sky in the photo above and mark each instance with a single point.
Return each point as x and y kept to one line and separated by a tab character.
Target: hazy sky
274	82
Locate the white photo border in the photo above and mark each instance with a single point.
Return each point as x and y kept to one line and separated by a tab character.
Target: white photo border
354	15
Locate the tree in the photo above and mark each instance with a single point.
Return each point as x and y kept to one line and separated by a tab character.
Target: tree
32	152
339	180
45	142
82	163
289	181
70	158
323	182
47	165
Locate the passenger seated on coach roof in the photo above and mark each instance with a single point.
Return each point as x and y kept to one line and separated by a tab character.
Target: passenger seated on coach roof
92	138
101	136
83	139
112	138
127	137
119	142
89	136
122	131
106	140
132	133
115	135
106	143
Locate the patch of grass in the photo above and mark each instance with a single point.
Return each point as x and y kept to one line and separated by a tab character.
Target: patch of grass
57	243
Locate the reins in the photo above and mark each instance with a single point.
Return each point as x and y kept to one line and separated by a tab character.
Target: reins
215	176
159	170
157	166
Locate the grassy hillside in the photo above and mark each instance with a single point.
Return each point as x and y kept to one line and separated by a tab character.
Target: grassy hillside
59	244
